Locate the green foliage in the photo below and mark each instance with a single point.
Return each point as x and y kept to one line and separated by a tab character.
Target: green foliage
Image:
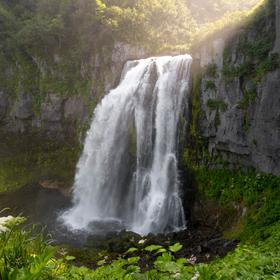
248	99
153	248
131	250
156	23
195	150
24	255
259	192
244	70
176	247
270	63
246	262
196	104
215	104
49	46
212	10
256	52
210	85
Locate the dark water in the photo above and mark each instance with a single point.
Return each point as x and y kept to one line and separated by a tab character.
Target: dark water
43	206
38	204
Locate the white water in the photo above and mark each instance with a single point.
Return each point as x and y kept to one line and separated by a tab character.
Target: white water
128	170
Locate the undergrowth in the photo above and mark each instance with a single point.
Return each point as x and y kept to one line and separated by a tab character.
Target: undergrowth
26	255
258	256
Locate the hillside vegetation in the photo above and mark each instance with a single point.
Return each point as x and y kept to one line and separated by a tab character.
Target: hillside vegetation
50	46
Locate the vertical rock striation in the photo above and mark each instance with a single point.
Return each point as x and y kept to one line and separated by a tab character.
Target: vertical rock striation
239	95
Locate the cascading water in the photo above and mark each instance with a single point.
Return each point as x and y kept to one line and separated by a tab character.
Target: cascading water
128	169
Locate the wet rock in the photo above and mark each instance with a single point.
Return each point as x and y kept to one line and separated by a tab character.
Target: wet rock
247	132
122	53
23	108
75	109
55	185
3	104
51	110
277	41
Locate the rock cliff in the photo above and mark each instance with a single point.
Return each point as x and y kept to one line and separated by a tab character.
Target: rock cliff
277	41
236	94
61	116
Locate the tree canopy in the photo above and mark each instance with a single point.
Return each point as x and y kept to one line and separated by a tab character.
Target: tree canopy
56	39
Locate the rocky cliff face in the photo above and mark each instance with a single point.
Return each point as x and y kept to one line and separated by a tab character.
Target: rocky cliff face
59	116
277	41
238	92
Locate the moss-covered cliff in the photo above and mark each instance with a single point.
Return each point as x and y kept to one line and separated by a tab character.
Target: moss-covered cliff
235	95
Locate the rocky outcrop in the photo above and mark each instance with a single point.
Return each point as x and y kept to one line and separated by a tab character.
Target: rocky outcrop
121	54
239	96
3	104
277	41
62	116
244	136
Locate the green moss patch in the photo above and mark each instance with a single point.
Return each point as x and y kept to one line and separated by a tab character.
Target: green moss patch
258	193
29	158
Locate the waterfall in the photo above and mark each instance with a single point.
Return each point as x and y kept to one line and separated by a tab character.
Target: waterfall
127	174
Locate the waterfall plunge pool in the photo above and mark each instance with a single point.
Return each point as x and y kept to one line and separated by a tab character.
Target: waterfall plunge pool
42	207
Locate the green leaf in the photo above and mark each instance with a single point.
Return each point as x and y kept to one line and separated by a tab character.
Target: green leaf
70	258
165	257
152	248
168	266
101	262
175	248
131	250
182	261
133	260
160	251
132	269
